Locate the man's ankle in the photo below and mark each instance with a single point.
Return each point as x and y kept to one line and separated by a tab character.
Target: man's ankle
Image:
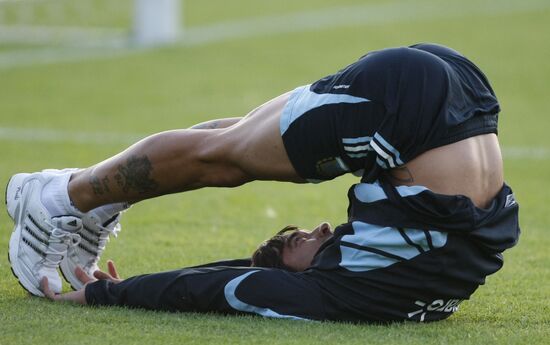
55	196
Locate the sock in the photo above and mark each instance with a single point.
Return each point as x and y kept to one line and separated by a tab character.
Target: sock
106	213
55	196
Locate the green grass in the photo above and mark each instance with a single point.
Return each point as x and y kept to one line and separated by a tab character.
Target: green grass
88	13
107	13
178	86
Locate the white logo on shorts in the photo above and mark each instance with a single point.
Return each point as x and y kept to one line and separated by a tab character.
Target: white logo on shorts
510	200
438	305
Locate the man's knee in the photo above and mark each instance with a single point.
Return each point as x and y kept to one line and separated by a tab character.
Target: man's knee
221	165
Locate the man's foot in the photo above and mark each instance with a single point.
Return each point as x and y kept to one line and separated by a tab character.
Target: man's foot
94	236
38	242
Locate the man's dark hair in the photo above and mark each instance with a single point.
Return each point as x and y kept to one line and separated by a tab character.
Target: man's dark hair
270	252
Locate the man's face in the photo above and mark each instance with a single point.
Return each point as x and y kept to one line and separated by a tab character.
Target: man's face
302	245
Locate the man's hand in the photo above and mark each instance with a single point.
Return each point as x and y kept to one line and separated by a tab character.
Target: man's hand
79	296
111	276
73	296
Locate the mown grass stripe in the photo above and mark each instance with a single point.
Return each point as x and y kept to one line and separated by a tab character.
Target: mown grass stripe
323	19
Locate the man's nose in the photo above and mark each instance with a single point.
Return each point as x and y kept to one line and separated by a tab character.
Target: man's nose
322	230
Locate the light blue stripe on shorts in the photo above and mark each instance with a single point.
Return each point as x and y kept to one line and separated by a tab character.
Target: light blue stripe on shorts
302	100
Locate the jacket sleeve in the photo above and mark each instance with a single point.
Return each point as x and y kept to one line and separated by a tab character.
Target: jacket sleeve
199	289
221	289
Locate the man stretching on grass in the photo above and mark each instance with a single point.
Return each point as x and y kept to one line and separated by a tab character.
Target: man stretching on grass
418	123
361	272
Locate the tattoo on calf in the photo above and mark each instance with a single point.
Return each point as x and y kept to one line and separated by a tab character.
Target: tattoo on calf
105	182
96	185
100	186
135	175
207	125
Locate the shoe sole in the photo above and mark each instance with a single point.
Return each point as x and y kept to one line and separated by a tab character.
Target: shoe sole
13	207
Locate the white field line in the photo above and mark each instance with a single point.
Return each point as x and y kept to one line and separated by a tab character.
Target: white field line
525	152
70	137
342	16
42	135
72	36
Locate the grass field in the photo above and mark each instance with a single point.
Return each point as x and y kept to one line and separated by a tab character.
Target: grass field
76	113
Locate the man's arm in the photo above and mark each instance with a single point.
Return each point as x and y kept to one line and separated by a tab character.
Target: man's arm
222	289
104	292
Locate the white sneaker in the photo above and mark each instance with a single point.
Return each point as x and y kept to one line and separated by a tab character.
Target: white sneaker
38	242
94	237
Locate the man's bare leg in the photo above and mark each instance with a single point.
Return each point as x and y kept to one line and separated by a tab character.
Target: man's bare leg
48	226
218	123
247	149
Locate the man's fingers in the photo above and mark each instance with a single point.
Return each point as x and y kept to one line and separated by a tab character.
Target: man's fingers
102	275
112	269
45	287
111	276
82	276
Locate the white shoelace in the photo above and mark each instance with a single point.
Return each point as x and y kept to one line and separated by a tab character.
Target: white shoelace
65	237
102	234
114	231
105	232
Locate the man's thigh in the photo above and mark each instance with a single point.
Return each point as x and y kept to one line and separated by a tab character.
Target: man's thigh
301	136
254	144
